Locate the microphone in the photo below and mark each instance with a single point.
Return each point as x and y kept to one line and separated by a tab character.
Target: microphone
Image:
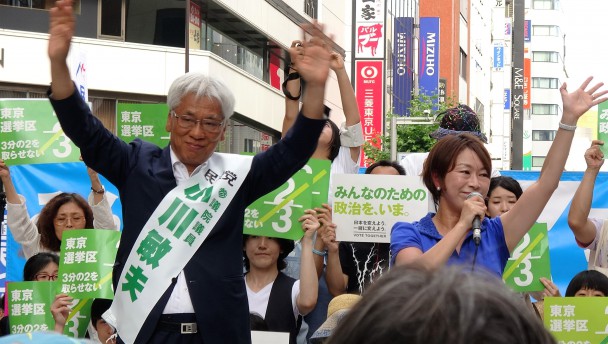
476	222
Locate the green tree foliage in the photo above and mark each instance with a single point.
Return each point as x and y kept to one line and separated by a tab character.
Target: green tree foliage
410	137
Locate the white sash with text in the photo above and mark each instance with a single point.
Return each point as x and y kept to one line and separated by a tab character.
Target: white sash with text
169	239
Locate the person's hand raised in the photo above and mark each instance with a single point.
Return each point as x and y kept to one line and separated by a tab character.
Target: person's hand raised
61	30
5	173
312	58
581	100
336	62
594	156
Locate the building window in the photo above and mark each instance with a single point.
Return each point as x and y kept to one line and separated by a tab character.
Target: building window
544	109
463	64
544	4
538	161
37	4
235	53
310	8
545	82
112	19
543	135
545	30
251	146
545	56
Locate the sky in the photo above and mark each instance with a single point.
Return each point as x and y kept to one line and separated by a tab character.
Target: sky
586	29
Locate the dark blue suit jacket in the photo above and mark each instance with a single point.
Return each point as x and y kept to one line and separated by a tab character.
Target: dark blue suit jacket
143	174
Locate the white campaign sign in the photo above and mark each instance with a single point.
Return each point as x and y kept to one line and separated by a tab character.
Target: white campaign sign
366	206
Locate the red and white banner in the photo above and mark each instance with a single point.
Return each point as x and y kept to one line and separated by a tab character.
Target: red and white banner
369	75
369	29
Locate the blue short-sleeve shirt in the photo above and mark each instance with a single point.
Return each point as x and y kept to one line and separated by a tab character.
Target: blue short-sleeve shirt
492	254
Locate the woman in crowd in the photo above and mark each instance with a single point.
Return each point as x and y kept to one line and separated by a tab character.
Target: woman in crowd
278	298
457	174
65	211
43	266
588	283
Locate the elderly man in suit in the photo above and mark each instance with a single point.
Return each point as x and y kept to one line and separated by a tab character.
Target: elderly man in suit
178	275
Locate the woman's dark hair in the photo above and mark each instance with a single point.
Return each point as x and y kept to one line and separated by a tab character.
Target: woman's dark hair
286	246
36	263
334	143
98	307
588	279
386	163
442	159
46	220
506	183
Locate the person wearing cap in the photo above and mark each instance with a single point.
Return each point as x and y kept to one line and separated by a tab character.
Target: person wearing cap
278	298
337	309
456	120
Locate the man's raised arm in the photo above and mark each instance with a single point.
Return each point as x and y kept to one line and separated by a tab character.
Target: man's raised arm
61	30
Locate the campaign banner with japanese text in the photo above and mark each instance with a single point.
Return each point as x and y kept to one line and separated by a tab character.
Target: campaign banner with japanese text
144	121
276	213
529	261
29	305
366	206
85	266
31	134
577	319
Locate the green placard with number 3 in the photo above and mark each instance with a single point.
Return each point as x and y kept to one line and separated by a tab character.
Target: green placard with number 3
529	261
276	213
31	134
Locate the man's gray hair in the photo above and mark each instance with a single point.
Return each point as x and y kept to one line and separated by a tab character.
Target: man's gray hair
202	86
450	305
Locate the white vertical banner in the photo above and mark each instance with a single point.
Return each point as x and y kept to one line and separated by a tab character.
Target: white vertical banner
79	73
369	29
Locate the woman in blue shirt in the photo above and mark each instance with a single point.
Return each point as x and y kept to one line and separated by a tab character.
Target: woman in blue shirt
457	174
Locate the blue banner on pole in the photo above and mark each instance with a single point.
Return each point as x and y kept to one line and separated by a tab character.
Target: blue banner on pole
506	98
402	65
499	60
429	56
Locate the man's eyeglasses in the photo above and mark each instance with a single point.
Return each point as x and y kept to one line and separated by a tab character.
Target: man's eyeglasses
45	277
188	122
64	220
